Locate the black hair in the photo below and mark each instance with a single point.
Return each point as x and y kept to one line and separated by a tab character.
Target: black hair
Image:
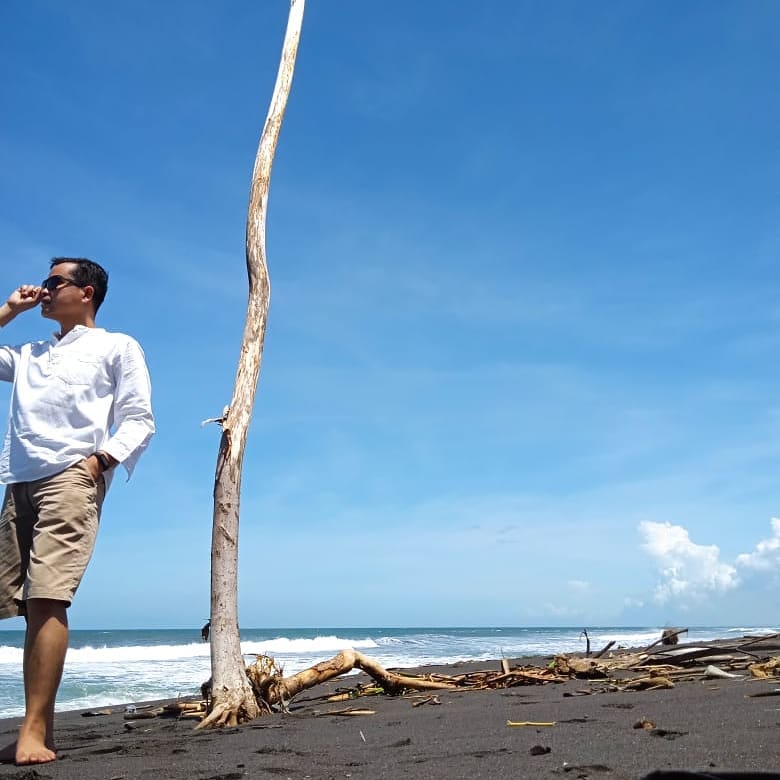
87	274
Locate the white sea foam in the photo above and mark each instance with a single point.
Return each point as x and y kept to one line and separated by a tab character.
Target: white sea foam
10	655
320	644
626	639
131	654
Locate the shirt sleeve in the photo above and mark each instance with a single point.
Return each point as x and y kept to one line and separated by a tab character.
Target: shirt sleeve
133	417
8	360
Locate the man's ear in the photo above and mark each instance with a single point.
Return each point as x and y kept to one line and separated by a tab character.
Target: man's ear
88	295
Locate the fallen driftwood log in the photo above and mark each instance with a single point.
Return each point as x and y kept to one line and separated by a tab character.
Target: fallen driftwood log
767	641
683	654
273	689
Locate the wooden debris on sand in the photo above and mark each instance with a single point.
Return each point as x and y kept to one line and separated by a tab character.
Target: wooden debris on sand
350	711
671	636
582	668
656	667
355	693
652	683
751	652
766	670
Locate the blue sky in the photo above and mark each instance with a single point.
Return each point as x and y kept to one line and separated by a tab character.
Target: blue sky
521	360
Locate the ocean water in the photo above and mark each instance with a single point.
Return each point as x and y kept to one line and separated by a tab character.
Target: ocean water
105	668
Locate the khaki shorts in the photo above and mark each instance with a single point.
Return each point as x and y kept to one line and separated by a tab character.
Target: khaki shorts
47	533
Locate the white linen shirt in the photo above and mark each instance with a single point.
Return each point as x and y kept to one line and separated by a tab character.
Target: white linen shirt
71	396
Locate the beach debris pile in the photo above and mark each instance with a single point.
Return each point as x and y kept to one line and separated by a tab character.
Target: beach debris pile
660	665
749	658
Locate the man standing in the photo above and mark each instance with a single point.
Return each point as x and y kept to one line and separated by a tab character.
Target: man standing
80	405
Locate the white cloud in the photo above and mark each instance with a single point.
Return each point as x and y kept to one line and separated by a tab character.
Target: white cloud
557	610
688	570
578	585
766	556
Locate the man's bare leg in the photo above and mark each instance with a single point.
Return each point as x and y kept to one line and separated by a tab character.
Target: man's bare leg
45	645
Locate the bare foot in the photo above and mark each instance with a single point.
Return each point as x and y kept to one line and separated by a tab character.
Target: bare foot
30	750
8	753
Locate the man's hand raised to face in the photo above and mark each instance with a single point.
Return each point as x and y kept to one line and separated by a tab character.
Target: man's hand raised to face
24	297
21	299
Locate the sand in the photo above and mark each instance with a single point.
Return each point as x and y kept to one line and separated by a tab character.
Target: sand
707	725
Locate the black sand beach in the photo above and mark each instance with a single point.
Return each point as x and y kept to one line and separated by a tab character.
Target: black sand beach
705	725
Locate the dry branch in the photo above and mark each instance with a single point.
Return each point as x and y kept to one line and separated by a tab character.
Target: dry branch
605	649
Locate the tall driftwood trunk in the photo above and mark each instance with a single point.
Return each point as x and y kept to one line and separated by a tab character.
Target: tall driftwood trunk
233	700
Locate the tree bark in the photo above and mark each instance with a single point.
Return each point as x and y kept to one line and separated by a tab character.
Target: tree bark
233	700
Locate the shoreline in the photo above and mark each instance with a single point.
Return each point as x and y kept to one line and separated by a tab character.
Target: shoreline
165	663
703	724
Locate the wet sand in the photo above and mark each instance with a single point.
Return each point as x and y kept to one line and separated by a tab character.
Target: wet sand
711	725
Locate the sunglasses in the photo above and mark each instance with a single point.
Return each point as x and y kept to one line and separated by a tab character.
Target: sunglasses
55	282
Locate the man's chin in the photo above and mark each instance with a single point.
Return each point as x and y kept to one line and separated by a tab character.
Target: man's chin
46	311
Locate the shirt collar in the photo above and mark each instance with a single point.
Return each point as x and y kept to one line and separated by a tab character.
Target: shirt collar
71	335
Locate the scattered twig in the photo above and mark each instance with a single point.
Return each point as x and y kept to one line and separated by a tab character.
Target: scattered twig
759	640
144	714
604	649
584	633
665	636
351	711
427	700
